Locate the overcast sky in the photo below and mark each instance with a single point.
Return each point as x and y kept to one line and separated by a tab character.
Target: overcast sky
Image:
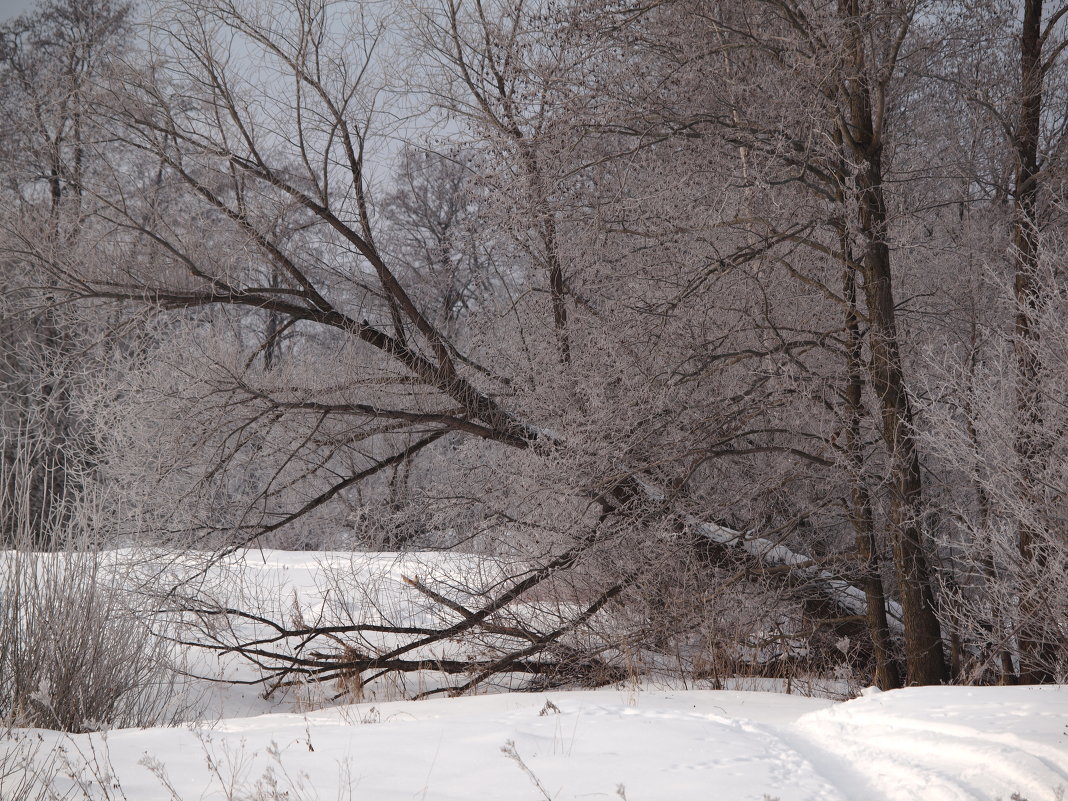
10	8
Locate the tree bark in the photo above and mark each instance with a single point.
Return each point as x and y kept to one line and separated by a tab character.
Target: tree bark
862	133
887	676
1038	646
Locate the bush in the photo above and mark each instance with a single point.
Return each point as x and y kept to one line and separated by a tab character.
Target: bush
73	654
76	654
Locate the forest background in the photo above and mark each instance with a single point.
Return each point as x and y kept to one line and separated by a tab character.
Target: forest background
724	338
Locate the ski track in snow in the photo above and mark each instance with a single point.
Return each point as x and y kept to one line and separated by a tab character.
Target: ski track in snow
922	744
912	744
918	744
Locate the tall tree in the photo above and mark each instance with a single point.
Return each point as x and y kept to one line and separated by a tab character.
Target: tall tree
872	38
49	60
1038	642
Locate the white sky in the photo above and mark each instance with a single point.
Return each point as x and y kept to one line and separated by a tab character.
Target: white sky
11	8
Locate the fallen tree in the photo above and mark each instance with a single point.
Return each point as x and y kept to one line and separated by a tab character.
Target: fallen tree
250	237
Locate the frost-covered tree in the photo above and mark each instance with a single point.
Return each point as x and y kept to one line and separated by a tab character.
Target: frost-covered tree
50	60
647	320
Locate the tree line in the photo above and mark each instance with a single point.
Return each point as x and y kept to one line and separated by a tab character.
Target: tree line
733	332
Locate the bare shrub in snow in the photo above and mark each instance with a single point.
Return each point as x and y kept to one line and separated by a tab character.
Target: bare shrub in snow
77	651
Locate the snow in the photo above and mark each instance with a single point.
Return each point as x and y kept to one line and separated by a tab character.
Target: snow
951	743
639	743
847	596
935	744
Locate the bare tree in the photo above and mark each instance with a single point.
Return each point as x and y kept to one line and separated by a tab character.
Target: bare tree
49	60
641	333
1038	55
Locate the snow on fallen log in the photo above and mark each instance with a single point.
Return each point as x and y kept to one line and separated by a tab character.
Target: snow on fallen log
802	569
770	558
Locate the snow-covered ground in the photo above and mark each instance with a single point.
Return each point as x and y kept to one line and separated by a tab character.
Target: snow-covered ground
639	744
934	744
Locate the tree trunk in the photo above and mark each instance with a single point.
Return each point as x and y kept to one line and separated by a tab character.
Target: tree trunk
923	636
1038	646
1006	669
886	672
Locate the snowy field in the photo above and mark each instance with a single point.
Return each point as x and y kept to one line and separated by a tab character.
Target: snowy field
638	744
935	744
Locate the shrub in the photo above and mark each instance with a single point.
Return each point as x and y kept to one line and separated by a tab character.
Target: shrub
76	654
